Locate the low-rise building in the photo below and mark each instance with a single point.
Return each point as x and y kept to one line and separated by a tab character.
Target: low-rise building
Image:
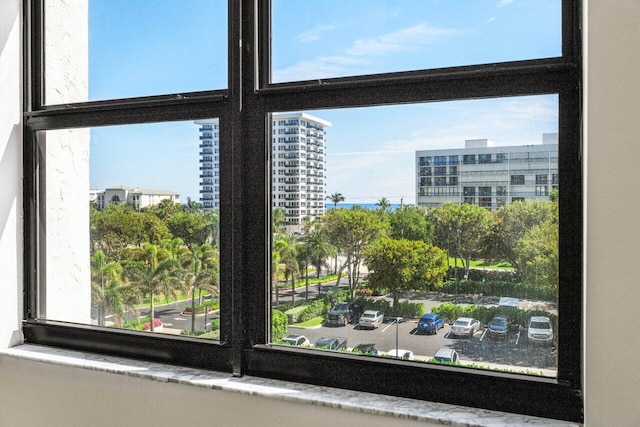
487	175
139	198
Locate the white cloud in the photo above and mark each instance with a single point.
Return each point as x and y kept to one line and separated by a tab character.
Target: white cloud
503	3
327	66
493	18
405	39
352	62
314	34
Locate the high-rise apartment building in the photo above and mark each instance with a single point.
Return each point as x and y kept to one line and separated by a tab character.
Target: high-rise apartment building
486	175
298	165
209	163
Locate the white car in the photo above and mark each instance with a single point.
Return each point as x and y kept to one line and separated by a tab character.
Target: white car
540	330
465	327
371	319
399	353
297	340
447	355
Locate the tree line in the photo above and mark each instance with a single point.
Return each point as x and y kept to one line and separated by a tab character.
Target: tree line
409	248
157	252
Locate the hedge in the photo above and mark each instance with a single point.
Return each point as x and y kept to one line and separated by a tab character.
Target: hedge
278	325
484	314
498	288
489	275
405	309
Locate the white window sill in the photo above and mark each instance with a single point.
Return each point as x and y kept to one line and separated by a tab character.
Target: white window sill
393	407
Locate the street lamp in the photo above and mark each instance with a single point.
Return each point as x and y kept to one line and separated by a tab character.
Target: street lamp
398	319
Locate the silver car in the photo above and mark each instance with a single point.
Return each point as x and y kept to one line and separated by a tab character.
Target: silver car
540	330
465	327
371	319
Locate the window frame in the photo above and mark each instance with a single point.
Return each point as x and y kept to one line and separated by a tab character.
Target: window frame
243	109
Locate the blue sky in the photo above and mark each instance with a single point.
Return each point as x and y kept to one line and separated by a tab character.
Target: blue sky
168	46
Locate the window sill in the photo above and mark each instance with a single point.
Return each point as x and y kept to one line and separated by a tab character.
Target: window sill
374	404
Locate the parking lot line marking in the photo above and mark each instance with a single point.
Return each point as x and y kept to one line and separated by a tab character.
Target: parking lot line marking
390	325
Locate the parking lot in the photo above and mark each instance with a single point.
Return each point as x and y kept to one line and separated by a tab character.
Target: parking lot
515	353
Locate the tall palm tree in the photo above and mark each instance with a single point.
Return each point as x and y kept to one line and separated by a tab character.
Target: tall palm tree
154	276
336	198
319	248
108	293
286	248
202	274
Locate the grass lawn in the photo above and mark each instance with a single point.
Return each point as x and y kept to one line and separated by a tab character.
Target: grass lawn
483	263
316	321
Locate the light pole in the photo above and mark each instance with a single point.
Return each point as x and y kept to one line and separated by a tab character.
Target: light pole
397	346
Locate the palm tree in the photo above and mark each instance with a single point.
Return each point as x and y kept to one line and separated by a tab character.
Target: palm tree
108	292
278	221
275	273
286	248
176	249
319	248
202	274
336	198
384	204
154	276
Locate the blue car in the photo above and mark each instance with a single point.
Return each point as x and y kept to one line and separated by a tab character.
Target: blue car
430	323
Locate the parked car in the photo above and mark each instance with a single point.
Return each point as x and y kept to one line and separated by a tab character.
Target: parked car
540	330
430	323
446	355
371	319
465	327
499	328
331	343
399	353
343	313
297	340
366	349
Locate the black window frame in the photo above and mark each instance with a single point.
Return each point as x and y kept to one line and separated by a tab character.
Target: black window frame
243	109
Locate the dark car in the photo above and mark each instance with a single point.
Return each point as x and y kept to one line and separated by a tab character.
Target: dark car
430	323
331	343
499	328
343	313
366	349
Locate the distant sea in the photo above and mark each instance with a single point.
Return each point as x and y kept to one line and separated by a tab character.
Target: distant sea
363	205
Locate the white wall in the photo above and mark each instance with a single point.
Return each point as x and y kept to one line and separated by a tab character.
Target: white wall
613	218
10	173
612	90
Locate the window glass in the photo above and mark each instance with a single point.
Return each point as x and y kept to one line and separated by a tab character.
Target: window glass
334	262
128	237
133	48
312	41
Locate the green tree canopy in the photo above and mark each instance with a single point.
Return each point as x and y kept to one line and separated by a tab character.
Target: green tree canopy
537	253
153	275
194	228
513	221
411	224
401	265
462	230
119	226
351	231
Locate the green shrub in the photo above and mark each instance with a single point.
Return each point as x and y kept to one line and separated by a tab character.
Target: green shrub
484	314
136	324
278	325
215	324
405	309
318	307
293	314
500	288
